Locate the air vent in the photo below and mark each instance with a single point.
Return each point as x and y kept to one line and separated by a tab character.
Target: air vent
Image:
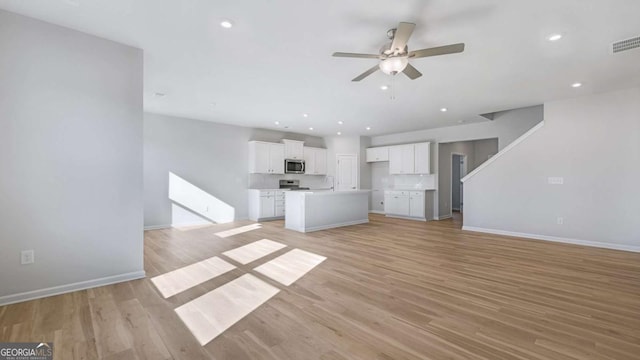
625	45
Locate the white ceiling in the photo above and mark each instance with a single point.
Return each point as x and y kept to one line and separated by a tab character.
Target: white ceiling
275	63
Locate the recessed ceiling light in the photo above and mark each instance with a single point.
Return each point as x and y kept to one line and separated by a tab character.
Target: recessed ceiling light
340	122
305	115
311	128
368	128
384	87
277	123
554	37
226	24
339	133
576	85
444	109
159	94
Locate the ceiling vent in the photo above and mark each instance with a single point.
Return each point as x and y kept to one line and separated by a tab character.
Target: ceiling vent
624	45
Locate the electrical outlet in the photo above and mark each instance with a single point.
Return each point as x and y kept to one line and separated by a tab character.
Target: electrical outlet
27	257
560	220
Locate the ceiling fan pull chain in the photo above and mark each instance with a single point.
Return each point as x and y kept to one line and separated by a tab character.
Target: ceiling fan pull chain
392	94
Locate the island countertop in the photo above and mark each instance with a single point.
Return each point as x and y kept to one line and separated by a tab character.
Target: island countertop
327	192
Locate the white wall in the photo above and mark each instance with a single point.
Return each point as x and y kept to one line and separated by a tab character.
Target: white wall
593	142
340	145
506	126
482	151
444	172
212	157
477	149
71	155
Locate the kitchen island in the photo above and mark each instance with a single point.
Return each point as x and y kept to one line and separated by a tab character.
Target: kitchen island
308	211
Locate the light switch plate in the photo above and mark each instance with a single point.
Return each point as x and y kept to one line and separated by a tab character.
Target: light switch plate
555	180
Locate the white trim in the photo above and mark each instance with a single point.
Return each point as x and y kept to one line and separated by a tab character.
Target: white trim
376	212
466	168
63	289
157	227
331	226
444	217
622	247
503	151
406	217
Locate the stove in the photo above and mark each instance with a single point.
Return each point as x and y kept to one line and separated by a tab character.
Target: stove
293	185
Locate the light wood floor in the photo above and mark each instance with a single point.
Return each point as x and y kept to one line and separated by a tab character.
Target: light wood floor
390	289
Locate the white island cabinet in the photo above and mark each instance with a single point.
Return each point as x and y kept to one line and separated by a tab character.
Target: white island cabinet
318	210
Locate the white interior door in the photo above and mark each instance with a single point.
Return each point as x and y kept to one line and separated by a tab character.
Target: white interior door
347	172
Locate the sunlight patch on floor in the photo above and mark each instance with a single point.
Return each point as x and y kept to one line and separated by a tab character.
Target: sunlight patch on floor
238	230
288	268
254	251
182	279
211	314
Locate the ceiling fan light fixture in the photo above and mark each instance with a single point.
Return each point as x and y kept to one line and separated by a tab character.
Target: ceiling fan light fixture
394	65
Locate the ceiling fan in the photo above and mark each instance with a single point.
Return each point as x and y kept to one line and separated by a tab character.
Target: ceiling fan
394	56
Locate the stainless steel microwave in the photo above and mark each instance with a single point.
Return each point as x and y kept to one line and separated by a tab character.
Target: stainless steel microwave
293	166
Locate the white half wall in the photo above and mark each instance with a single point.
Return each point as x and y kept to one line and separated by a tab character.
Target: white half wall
71	155
593	144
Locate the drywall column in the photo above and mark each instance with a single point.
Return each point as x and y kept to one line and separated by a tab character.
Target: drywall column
71	155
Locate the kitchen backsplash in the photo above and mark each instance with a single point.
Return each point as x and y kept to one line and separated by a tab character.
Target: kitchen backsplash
418	182
381	180
264	181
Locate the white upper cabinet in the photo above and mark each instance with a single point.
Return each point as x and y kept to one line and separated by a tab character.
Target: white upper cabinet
266	158
401	159
315	161
293	149
276	158
409	159
378	154
422	158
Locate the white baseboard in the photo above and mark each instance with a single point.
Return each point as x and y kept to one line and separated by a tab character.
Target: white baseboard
406	217
157	227
331	226
376	212
63	289
197	223
443	217
555	239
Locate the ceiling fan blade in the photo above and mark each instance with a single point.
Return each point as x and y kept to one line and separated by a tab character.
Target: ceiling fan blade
441	50
354	55
366	73
402	35
411	72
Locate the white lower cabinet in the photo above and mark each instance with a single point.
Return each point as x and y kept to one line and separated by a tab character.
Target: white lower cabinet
396	203
410	204
266	204
416	204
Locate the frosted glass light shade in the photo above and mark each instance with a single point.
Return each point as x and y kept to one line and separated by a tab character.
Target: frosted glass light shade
394	65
